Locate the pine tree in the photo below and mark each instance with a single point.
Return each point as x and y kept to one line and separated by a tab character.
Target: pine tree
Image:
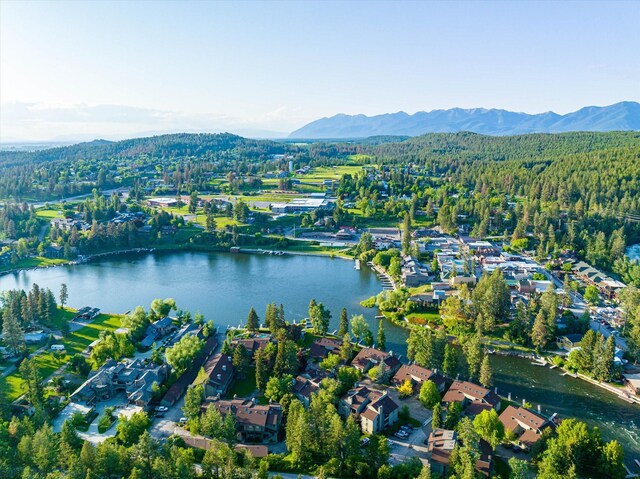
450	362
406	234
486	374
64	295
539	333
346	351
13	333
436	421
344	323
253	322
382	337
262	373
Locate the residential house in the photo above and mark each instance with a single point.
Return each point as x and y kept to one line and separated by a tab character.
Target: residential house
307	383
370	357
375	409
134	377
252	345
156	331
417	375
321	348
569	342
178	388
220	373
526	425
440	445
254	422
474	398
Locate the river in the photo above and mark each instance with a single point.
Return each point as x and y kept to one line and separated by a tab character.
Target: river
224	286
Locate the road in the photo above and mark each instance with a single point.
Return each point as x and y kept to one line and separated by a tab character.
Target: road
578	303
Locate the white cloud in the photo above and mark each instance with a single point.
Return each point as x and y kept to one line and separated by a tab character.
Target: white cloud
22	121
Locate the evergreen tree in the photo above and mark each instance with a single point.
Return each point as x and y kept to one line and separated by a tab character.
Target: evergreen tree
486	374
450	362
344	323
64	295
436	421
253	322
13	333
382	338
346	350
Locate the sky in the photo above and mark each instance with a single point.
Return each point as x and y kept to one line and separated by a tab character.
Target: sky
84	70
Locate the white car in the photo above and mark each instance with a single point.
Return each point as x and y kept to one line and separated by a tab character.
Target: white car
162	409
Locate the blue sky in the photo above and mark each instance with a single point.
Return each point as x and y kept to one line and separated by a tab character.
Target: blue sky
112	69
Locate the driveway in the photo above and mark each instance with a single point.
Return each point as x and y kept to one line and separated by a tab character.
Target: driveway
162	428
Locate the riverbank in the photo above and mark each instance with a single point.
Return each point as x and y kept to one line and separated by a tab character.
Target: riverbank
620	392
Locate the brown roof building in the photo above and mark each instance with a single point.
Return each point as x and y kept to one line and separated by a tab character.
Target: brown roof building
375	409
321	348
308	383
220	373
370	357
473	398
252	344
526	425
254	422
418	375
440	445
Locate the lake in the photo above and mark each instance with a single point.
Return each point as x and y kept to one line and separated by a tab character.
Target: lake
224	286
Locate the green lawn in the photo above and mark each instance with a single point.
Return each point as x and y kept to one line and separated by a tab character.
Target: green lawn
243	388
423	318
48	362
48	213
33	262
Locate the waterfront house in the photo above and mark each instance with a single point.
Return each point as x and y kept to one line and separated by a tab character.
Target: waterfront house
134	377
474	398
220	373
370	357
375	409
156	331
526	425
178	388
417	375
321	348
569	342
252	345
254	422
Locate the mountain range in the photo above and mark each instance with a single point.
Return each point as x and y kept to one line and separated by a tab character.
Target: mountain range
620	116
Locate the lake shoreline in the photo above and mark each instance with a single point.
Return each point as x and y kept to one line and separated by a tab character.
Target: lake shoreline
175	249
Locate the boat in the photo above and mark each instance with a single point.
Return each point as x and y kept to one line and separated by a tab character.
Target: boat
357	265
535	363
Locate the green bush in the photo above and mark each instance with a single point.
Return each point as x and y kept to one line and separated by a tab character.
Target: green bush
368	303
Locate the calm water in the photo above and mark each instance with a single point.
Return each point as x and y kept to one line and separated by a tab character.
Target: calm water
221	286
224	286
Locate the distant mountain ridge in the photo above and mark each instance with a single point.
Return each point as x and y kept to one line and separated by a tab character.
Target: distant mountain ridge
621	116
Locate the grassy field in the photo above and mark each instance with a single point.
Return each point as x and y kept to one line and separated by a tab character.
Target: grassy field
33	262
48	362
423	318
330	173
47	213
